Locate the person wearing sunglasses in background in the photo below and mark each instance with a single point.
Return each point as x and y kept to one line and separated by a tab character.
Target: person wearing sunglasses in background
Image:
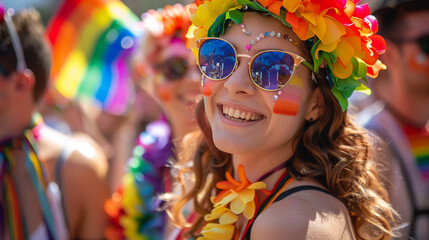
401	114
167	71
278	157
35	160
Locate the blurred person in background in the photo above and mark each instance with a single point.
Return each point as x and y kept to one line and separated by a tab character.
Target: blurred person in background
91	89
34	157
401	114
167	71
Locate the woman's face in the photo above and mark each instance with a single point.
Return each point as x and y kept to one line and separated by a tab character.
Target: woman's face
177	93
272	124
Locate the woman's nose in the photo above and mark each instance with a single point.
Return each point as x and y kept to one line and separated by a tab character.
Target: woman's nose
239	81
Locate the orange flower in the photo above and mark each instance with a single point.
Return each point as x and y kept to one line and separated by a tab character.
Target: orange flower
240	197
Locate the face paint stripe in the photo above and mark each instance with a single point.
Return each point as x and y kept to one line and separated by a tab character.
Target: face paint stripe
289	108
288	101
164	95
296	81
208	87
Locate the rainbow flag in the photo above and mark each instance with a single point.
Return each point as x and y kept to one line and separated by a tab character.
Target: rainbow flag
92	41
419	142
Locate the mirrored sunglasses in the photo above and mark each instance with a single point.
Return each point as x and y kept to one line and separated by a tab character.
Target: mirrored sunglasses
174	68
423	42
269	70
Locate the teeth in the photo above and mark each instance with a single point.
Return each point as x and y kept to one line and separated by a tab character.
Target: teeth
230	112
243	115
236	114
239	115
247	116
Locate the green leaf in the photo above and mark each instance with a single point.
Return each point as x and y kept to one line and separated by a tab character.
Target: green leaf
361	69
235	15
364	89
282	18
319	61
341	99
253	5
218	27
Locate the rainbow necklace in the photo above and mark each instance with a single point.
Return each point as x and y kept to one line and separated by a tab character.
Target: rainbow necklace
239	198
15	220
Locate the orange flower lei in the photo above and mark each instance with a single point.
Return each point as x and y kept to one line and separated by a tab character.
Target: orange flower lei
236	197
341	32
168	22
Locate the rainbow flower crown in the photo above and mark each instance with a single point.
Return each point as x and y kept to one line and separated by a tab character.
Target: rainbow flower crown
341	32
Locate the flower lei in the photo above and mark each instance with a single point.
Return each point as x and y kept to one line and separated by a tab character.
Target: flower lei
236	197
168	22
341	32
133	207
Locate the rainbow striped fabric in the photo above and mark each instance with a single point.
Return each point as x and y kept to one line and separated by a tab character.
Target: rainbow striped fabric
419	142
92	41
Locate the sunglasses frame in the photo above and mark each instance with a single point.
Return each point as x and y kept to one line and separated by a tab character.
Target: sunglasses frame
16	42
297	61
417	40
161	67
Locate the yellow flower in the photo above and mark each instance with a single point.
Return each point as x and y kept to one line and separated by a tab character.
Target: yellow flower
222	213
206	14
131	197
239	194
217	231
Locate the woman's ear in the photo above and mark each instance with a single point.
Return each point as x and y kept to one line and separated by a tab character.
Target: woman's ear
315	106
24	81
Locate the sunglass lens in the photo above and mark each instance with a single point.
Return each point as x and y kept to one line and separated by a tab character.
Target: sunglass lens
4	72
424	43
216	59
174	68
272	70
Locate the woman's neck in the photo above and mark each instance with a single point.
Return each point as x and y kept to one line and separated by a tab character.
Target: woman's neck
257	165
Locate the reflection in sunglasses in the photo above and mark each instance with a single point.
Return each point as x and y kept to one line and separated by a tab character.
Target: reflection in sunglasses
270	70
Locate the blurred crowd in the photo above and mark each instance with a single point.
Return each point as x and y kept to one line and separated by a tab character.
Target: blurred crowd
97	106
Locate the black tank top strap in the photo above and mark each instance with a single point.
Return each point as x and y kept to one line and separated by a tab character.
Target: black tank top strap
65	152
299	189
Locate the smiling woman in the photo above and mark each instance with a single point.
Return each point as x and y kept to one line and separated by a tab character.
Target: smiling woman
277	148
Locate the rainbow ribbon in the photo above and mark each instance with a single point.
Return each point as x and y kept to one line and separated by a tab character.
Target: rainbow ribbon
92	41
27	141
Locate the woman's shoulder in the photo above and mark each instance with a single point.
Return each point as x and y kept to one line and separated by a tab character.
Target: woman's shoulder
308	213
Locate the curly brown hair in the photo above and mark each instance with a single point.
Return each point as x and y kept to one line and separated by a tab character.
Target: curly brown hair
332	150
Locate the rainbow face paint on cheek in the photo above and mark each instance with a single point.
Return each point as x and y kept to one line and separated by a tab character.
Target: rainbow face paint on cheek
208	87
420	62
164	94
288	101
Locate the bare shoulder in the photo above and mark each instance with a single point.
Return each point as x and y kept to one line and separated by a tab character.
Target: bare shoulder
307	214
83	178
87	155
80	151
